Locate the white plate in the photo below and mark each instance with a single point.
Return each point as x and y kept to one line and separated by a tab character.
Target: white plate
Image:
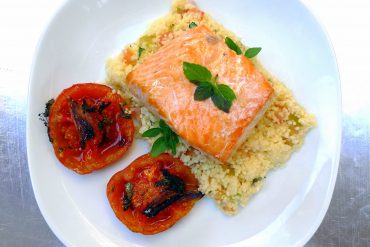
293	202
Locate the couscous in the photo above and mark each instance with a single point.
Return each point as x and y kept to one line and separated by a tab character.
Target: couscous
280	131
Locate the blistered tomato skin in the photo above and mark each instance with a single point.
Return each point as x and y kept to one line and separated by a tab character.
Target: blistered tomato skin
89	128
163	191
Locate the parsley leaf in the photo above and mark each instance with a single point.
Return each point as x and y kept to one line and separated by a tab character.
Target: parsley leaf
163	124
196	73
167	141
170	137
252	52
152	132
172	142
231	44
192	24
159	146
207	87
140	51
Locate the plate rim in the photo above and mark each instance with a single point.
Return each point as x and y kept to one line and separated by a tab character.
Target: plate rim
336	158
336	161
57	11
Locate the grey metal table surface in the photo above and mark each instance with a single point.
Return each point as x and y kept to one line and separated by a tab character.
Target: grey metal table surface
347	222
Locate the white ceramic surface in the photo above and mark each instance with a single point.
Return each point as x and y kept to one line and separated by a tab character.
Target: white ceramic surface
293	202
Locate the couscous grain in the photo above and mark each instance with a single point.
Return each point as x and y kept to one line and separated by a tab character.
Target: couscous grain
280	132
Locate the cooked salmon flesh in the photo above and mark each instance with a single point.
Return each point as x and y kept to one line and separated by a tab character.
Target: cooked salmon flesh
159	82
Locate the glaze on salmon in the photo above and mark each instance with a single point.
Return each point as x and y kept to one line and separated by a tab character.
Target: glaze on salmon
159	82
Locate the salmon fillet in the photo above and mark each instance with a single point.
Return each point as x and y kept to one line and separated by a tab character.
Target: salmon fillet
159	82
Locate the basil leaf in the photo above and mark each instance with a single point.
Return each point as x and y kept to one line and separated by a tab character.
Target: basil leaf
203	91
227	92
141	49
192	24
252	52
231	44
221	103
152	132
159	146
196	73
221	95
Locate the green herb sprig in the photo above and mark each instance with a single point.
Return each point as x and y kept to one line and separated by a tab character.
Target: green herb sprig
232	45
207	86
167	141
140	51
250	53
192	24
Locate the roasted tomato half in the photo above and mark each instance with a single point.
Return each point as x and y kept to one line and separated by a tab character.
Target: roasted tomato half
89	127
152	194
